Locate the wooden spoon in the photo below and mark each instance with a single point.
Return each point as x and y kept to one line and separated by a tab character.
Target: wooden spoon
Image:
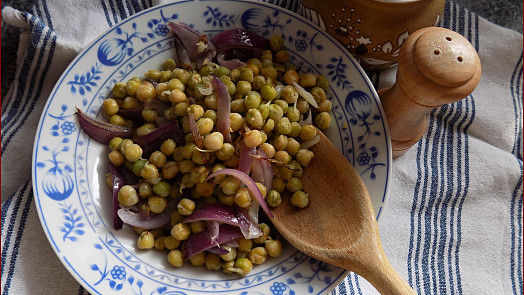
338	226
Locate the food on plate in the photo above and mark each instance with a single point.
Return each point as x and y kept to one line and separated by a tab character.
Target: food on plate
197	147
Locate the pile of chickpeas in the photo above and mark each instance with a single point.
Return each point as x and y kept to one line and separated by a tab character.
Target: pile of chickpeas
266	113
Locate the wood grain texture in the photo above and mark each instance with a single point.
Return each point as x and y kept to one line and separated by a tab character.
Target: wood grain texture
436	66
338	226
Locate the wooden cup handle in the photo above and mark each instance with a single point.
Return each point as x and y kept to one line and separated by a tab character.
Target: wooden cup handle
436	66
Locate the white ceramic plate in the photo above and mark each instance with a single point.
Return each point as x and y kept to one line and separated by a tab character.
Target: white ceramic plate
74	204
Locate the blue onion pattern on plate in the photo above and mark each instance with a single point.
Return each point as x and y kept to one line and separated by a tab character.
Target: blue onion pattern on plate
69	169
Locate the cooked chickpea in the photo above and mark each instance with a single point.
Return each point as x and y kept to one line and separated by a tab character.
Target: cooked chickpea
156	204
300	199
181	231
174	257
186	206
198	259
257	255
127	196
146	240
171	243
273	247
214	141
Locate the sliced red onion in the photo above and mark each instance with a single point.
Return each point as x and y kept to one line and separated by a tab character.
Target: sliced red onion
213	227
214	212
262	170
100	131
310	143
308	120
248	223
247	181
232	244
199	141
196	44
223	108
157	105
279	89
182	55
305	94
239	44
208	89
154	139
201	241
218	250
134	114
245	159
149	221
231	64
239	37
118	182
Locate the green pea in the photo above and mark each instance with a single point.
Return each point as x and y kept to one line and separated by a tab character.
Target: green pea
273	198
264	110
138	165
254	118
295	129
268	92
283	126
258	82
252	99
243	87
293	114
247	74
176	84
275	112
222	71
120	90
162	188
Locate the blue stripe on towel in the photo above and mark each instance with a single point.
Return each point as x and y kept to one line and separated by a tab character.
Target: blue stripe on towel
48	16
16	102
11	226
517	198
8	133
106	13
113	11
516	237
28	195
516	93
443	154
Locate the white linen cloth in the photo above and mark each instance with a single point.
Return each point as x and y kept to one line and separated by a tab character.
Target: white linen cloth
453	221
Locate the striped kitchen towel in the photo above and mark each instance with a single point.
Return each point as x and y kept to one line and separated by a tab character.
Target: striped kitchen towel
453	220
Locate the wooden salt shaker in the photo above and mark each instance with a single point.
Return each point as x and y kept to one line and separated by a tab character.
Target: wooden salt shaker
436	66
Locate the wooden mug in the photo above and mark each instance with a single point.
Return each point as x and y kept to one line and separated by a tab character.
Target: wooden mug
374	30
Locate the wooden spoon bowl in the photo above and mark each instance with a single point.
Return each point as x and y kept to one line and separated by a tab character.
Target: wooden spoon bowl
338	226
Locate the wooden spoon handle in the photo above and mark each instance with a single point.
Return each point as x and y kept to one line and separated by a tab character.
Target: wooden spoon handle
386	279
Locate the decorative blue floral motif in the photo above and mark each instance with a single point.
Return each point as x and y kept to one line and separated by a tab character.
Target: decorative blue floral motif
115	277
256	20
158	26
57	183
302	41
217	18
278	288
337	73
113	51
86	81
62	124
359	106
72	225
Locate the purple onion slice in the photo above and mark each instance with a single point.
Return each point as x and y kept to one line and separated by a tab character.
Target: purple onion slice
201	241
223	108
100	131
247	181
